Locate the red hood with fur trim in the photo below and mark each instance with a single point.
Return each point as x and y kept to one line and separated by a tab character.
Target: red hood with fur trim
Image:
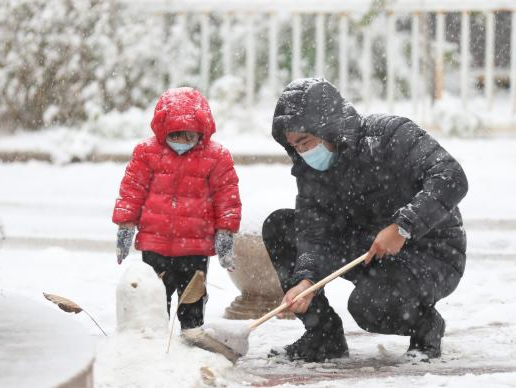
182	109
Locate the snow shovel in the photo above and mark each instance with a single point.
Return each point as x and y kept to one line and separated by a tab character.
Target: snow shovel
233	342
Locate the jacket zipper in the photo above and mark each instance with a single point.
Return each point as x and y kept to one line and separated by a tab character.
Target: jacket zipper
177	180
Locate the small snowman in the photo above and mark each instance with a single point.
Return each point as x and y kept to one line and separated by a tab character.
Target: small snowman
141	301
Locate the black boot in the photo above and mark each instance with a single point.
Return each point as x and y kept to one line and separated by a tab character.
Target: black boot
318	346
427	338
324	337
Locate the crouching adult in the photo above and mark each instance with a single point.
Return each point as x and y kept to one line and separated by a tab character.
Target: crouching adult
378	184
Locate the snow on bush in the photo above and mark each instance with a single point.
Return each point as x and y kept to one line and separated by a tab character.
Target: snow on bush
227	103
454	120
47	57
100	66
65	146
131	124
67	62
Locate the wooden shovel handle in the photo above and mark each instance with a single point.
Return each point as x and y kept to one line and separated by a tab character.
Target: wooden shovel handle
309	290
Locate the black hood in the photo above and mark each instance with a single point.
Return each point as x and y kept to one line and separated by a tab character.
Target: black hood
315	106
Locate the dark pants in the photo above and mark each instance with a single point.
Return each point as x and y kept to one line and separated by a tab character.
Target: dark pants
176	273
391	296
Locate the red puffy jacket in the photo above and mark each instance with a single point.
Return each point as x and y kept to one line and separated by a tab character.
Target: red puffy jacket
178	201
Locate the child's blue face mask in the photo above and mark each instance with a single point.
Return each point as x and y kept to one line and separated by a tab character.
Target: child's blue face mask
190	139
180	148
319	157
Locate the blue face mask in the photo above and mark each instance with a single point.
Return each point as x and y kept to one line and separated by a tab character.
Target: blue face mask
180	148
319	157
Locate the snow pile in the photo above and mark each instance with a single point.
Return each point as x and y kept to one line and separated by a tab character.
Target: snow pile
65	145
454	120
136	353
131	124
134	359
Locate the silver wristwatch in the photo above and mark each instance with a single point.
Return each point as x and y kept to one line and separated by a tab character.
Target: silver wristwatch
403	233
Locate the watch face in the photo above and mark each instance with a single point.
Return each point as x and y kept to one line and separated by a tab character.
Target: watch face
403	233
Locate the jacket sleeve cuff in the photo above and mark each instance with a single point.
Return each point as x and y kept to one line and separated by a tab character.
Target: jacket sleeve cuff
121	216
298	277
305	269
231	225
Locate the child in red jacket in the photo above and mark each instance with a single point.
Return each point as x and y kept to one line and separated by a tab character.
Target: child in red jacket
180	190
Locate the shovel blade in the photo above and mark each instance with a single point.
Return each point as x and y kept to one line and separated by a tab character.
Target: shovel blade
233	336
200	338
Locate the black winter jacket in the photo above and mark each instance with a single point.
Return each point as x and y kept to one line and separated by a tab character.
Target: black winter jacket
388	170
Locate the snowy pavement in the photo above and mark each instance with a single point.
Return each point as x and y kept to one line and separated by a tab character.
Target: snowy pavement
60	240
44	201
478	349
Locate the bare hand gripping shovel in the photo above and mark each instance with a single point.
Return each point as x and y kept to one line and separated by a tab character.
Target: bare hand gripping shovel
233	342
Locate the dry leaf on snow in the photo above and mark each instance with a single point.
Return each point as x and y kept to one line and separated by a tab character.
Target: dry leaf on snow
207	376
63	303
70	307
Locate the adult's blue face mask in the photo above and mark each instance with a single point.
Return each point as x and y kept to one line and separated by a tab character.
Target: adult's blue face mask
180	148
319	157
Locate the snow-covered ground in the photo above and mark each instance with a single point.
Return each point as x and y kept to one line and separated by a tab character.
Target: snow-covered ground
60	240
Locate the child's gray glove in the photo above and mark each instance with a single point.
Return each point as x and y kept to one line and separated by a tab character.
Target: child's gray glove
224	249
124	240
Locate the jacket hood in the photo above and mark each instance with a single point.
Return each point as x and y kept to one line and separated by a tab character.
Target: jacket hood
315	106
182	109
